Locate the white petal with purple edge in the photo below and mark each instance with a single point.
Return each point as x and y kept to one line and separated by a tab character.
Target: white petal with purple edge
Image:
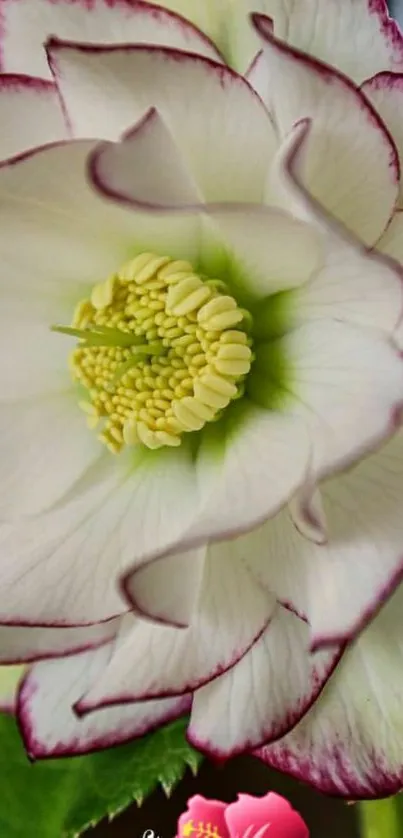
347	386
30	114
349	744
23	644
166	589
385	92
153	661
339	585
25	29
62	568
47	719
358	36
227	141
264	695
350	164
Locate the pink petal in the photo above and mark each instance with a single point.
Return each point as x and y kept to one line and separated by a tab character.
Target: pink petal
204	815
271	816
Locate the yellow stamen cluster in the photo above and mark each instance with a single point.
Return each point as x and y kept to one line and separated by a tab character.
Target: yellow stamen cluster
159	353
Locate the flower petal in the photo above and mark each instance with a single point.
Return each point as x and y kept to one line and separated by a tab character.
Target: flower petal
355	284
49	724
253	816
153	661
25	29
264	695
166	589
350	164
347	385
30	114
359	36
391	242
385	92
21	644
62	568
339	585
227	141
349	744
246	476
45	447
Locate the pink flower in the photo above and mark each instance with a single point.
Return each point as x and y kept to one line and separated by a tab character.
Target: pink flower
270	816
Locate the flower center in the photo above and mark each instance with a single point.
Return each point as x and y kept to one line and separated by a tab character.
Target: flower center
159	353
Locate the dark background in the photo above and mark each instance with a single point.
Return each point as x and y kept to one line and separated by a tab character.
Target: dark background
326	818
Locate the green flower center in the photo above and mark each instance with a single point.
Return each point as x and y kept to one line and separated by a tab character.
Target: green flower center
161	352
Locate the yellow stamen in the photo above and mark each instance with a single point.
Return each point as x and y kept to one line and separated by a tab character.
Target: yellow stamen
157	353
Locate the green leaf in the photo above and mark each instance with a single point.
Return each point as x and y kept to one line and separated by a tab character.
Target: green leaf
382	818
60	798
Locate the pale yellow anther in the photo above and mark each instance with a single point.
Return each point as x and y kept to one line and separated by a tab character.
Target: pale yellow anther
147	437
130	434
202	411
165	438
102	294
179	292
192	301
232	351
176	266
233	368
88	408
210	397
189	420
220	385
233	336
217	305
225	320
159	356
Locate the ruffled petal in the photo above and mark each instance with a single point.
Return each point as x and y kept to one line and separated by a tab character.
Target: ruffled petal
353	284
23	644
345	383
45	448
349	744
30	114
153	661
391	242
341	584
51	728
227	140
264	695
385	92
359	36
247	474
25	29
166	589
350	164
62	568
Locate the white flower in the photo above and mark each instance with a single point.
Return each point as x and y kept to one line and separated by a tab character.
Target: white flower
156	168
